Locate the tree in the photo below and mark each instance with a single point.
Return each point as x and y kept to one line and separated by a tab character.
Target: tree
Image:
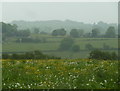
36	30
23	33
110	33
60	32
97	54
87	35
66	44
81	32
44	33
54	33
74	33
28	55
8	30
95	32
75	48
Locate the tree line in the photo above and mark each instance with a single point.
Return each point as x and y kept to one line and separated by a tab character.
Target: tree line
68	44
95	33
28	55
11	30
95	54
101	55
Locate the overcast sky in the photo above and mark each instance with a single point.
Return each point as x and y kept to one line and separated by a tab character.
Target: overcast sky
88	12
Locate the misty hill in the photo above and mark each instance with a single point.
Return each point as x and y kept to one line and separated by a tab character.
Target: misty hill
50	25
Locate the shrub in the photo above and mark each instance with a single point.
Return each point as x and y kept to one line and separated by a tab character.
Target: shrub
106	47
66	44
74	33
97	54
114	56
89	47
5	56
57	32
75	48
29	55
14	56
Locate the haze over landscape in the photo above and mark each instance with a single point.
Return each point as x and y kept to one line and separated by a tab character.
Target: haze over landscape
87	12
59	45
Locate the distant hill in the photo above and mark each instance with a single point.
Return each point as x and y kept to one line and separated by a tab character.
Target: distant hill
50	25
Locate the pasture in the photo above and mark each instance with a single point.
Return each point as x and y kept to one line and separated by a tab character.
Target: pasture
52	44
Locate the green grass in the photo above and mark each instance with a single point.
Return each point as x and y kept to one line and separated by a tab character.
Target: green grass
97	42
69	55
16	47
12	46
54	42
59	74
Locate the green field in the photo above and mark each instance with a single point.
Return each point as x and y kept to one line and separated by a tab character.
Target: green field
60	74
52	44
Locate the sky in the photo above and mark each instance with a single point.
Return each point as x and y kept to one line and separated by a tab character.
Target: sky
87	12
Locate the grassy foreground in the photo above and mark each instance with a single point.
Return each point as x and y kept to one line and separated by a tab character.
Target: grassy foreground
60	74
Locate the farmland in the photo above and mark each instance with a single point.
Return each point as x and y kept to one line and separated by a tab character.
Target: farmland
52	44
59	46
60	74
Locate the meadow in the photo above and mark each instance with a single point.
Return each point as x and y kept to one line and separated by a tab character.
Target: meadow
52	44
60	74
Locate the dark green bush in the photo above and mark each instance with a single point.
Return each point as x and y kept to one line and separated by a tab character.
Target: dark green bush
66	44
75	48
97	54
89	47
106	47
5	56
28	55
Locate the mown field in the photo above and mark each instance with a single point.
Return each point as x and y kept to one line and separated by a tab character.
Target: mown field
52	44
60	74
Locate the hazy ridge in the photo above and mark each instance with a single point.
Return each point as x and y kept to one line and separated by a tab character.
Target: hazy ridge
50	25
